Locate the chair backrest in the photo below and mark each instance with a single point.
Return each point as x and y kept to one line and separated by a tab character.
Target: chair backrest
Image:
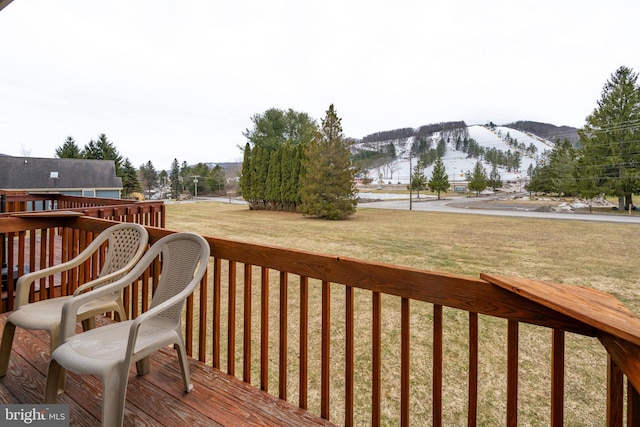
126	242
184	258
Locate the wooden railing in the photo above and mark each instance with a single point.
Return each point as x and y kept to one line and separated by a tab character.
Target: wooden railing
314	329
150	213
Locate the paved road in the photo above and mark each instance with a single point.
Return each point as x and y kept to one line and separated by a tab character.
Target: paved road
464	205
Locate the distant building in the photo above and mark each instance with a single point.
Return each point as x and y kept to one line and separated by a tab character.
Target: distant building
74	177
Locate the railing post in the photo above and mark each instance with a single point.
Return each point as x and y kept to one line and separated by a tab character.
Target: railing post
3	237
633	406
557	378
615	382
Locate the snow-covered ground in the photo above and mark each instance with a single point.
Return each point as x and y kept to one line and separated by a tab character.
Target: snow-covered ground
457	163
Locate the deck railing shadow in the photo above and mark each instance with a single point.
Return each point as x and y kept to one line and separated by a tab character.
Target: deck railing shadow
359	342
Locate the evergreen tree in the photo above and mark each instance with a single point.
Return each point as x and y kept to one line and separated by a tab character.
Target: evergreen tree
478	179
418	178
174	178
288	186
327	186
148	176
69	150
439	181
267	180
103	149
494	178
562	162
130	182
273	193
185	176
609	157
246	175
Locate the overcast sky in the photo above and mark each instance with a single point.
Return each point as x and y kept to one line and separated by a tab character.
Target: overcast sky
182	79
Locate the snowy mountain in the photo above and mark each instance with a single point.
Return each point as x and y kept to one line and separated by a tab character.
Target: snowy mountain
458	162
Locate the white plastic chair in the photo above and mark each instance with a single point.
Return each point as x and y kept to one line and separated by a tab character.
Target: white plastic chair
126	243
108	351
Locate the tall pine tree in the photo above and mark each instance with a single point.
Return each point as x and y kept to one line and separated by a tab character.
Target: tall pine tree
327	186
439	181
609	158
69	150
174	178
478	179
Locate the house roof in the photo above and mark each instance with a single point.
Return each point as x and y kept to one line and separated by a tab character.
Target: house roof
33	173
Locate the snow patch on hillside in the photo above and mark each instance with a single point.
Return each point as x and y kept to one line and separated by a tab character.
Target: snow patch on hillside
457	163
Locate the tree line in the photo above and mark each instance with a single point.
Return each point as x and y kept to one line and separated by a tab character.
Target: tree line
606	159
181	179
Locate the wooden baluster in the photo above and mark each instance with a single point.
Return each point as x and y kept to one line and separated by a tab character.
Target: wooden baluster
376	358
325	350
264	330
615	383
512	373
304	341
10	277
557	378
284	349
405	360
472	410
44	233
349	355
202	320
633	406
189	325
246	367
231	319
437	366
215	317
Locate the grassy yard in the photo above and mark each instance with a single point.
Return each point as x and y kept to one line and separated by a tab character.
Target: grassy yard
594	254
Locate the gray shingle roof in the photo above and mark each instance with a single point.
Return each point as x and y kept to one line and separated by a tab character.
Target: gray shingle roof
32	173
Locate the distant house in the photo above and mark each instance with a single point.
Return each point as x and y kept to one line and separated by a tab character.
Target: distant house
74	177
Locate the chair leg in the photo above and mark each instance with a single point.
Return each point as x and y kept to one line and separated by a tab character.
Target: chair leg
184	366
88	324
53	344
121	312
114	393
5	347
143	366
55	373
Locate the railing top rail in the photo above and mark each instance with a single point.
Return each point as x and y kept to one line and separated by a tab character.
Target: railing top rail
591	306
27	197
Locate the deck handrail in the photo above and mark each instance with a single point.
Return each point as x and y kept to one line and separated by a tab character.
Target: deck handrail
264	271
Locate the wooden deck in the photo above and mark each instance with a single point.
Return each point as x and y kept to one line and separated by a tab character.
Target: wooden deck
155	399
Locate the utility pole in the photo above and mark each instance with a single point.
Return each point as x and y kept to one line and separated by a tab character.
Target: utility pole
195	183
410	183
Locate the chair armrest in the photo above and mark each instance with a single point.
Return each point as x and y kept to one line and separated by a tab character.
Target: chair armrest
99	281
23	285
71	307
153	312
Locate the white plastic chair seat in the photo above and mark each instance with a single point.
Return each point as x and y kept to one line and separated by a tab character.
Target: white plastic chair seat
108	351
99	351
45	314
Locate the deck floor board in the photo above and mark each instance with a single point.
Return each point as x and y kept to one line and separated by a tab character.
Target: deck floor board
154	399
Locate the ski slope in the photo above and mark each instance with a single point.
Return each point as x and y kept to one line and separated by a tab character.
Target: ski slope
457	163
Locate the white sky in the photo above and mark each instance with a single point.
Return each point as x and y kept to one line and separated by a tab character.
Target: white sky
182	79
